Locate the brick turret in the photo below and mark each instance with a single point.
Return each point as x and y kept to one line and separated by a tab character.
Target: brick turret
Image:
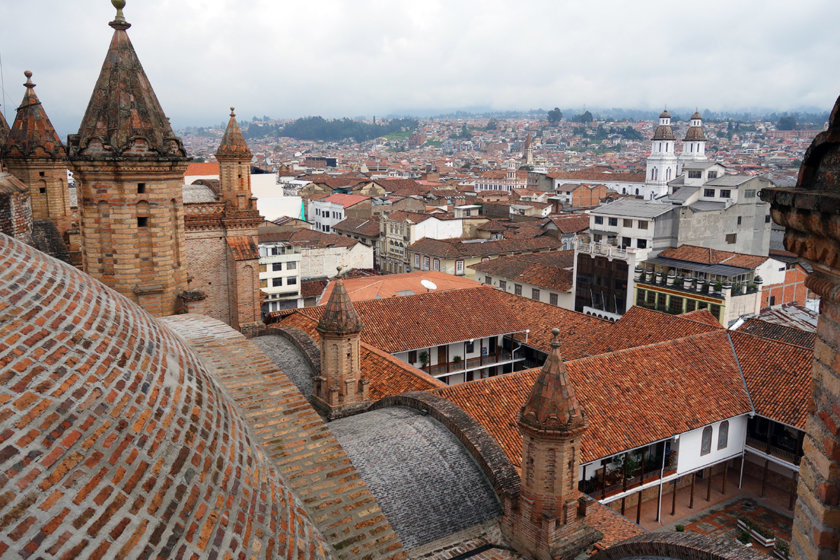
234	158
35	155
340	389
548	518
809	212
131	169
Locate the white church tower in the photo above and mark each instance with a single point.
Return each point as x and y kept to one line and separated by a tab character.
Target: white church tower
694	144
662	163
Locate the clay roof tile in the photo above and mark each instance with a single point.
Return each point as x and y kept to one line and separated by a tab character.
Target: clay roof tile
340	316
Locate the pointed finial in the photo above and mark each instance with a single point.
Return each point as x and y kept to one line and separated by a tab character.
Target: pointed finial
554	342
232	114
28	74
119	21
339	271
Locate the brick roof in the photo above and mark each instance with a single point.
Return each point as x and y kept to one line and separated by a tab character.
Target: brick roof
32	134
550	270
233	144
243	248
775	331
632	397
778	377
368	227
705	255
426	320
116	437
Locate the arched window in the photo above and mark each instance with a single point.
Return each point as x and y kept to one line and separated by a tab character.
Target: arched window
637	192
706	443
723	434
668	174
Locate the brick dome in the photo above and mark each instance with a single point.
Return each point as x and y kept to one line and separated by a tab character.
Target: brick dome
117	442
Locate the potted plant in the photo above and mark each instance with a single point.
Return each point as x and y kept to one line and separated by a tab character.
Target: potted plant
456	359
679	528
782	550
718	286
744	539
424	358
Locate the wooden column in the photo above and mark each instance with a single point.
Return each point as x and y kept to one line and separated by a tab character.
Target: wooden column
674	498
691	499
764	476
709	485
604	480
623	481
723	482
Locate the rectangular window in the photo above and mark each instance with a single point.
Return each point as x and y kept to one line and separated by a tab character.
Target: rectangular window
749	193
731	237
640	297
276	266
596	237
712	175
724	193
141	188
643	224
690	305
291	265
416	261
626	242
517	289
470	347
263	283
661	301
535	294
693	174
553	299
276	282
412	356
459	267
436	264
641	243
502	285
709	192
263	268
613	221
676	305
767	219
739	220
627	223
599	219
426	263
291	281
142	221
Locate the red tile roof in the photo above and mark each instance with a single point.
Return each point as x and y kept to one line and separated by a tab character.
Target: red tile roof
233	143
551	270
570	223
391	285
453	248
782	333
632	397
243	248
366	227
389	376
346	200
705	255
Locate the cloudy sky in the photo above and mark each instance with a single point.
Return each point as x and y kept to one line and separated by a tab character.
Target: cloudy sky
336	58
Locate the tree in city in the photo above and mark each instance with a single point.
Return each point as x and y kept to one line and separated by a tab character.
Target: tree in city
555	115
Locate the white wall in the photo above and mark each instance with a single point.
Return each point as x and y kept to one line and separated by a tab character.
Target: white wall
438	229
689	457
323	262
566	300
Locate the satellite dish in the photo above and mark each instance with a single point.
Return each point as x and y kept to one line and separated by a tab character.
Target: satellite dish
428	284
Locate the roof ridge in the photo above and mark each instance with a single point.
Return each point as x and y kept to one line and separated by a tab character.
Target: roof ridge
408	368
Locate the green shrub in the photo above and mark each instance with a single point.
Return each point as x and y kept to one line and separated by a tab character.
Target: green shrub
679	528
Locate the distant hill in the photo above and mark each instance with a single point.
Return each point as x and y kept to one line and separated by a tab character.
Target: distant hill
318	128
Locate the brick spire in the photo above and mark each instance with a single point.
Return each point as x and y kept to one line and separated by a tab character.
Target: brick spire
552	405
4	132
124	117
340	316
32	134
233	143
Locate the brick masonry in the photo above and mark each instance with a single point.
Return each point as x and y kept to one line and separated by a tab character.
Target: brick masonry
296	440
679	546
117	442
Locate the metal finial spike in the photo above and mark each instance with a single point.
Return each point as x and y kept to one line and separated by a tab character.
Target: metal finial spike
556	332
28	74
119	5
232	114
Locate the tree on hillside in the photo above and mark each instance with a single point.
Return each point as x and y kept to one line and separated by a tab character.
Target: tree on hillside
555	115
585	117
786	122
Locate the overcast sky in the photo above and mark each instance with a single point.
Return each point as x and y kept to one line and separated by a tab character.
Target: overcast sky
361	57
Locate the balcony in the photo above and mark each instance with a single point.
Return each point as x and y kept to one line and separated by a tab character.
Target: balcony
471	364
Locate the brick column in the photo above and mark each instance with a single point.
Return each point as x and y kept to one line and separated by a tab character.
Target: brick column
811	214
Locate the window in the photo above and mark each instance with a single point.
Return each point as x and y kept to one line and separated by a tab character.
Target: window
263	283
263	268
739	220
291	281
613	221
470	347
276	266
599	219
723	434
695	174
459	267
517	289
749	193
553	299
706	442
142	221
426	262
502	285
436	264
626	242
772	301
712	175
724	193
643	224
596	237
417	261
276	282
709	192
627	223
767	219
412	356
488	280
731	237
641	243
291	266
141	188
535	294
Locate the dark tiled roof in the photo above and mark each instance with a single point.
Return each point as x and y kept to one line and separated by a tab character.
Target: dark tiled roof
631	397
775	331
570	223
550	270
368	227
243	248
32	134
705	255
458	248
313	287
778	377
233	143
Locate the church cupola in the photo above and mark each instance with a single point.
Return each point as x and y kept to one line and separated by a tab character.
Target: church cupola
339	389
130	169
549	519
35	155
694	143
662	163
234	159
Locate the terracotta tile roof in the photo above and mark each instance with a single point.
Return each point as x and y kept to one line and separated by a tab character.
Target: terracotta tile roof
705	255
233	143
367	227
336	182
550	270
202	168
426	320
403	187
570	223
243	248
32	134
406	216
778	376
313	287
613	525
453	248
781	333
701	316
640	326
346	200
311	238
632	397
405	284
389	376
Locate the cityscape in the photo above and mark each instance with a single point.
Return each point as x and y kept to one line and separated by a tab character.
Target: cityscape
486	323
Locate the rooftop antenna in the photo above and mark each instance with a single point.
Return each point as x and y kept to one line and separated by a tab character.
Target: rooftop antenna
428	284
